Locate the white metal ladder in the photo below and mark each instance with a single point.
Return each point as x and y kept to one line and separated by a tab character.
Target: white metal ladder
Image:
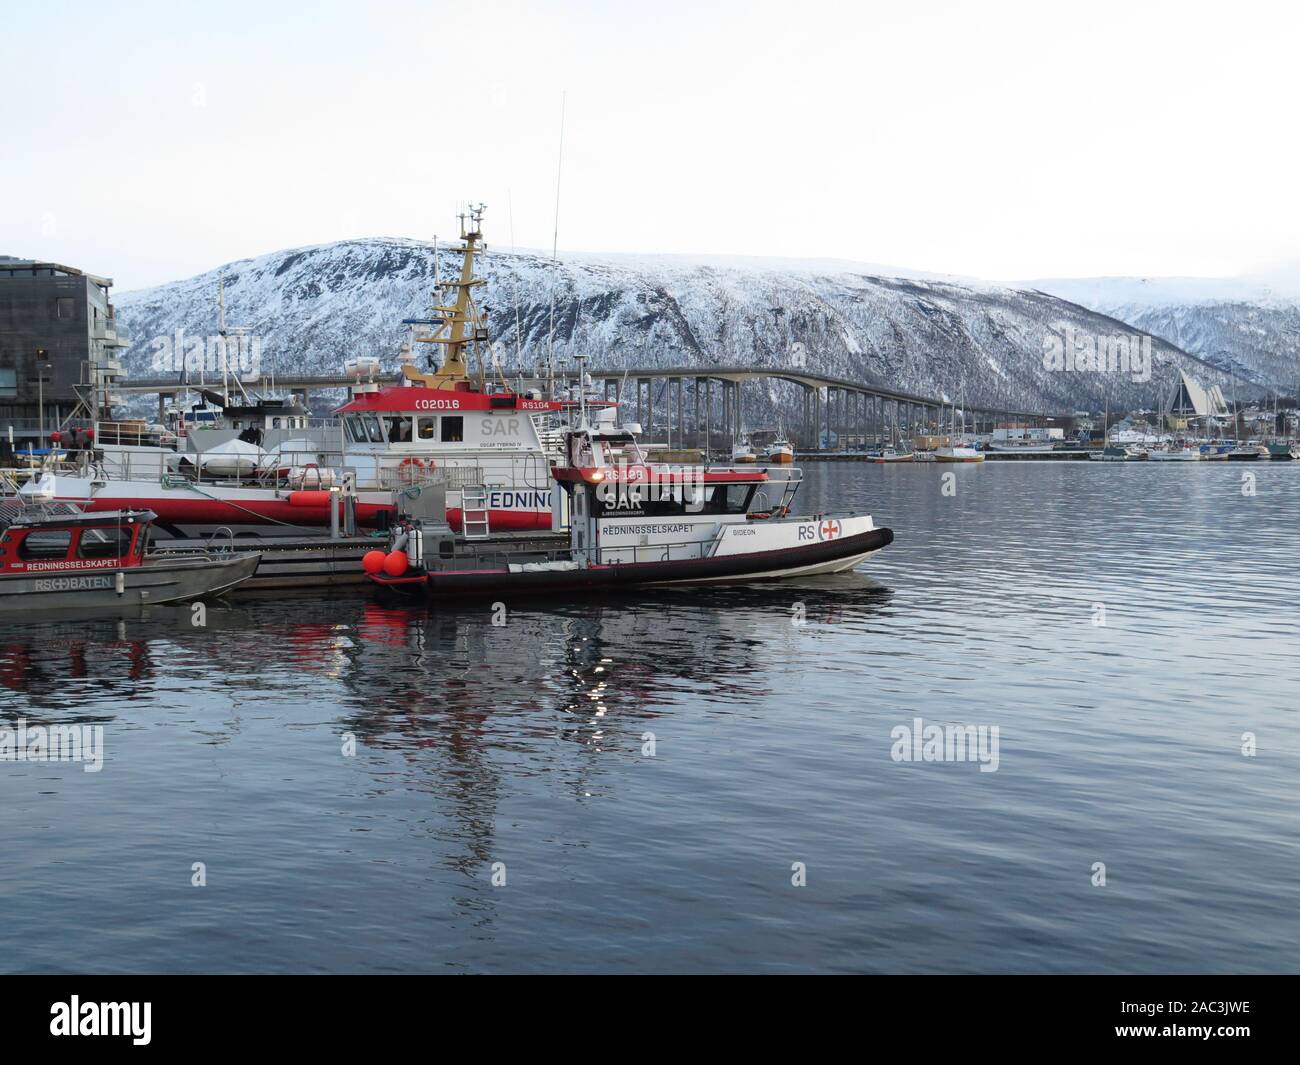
474	512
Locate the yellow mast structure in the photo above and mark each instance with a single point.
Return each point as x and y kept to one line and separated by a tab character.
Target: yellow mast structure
463	325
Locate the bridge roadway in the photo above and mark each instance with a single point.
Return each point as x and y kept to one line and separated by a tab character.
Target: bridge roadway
835	410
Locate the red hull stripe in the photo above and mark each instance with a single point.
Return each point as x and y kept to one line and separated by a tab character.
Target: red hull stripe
506	520
202	511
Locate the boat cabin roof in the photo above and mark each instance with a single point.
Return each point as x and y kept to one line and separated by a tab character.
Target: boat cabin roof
403	398
642	474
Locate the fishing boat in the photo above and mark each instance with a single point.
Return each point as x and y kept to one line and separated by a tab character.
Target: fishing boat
1282	450
1120	453
743	451
1022	447
957	452
1175	452
779	452
958	448
637	523
1016	439
97	561
889	454
1116	452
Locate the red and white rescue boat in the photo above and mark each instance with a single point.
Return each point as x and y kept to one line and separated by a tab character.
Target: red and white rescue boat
632	522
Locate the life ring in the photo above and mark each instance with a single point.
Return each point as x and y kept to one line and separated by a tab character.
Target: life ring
410	468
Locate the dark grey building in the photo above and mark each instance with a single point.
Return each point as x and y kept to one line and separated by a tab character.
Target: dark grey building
59	346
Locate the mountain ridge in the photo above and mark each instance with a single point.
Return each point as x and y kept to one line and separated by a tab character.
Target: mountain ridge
934	335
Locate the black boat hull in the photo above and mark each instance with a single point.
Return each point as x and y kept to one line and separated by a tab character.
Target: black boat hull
828	557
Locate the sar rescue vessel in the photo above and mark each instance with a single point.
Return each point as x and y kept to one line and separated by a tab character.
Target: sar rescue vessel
479	440
633	522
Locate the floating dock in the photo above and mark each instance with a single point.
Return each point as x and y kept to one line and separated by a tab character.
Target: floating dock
321	561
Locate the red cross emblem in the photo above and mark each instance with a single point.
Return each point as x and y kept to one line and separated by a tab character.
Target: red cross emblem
829	529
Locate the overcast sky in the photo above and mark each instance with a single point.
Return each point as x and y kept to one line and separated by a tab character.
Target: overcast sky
1000	140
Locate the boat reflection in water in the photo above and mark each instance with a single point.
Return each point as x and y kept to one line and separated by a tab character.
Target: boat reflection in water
444	671
461	726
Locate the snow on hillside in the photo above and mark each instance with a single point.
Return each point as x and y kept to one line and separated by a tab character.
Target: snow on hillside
315	307
1248	325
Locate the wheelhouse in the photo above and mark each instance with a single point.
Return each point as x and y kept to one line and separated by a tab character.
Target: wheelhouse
103	540
407	418
623	508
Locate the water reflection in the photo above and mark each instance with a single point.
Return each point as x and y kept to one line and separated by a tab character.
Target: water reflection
523	743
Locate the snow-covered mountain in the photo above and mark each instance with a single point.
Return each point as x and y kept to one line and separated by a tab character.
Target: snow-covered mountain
315	307
1249	325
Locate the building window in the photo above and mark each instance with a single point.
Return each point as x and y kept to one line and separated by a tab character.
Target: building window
8	383
64	307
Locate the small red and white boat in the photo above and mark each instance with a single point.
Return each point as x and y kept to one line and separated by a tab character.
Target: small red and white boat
92	562
632	522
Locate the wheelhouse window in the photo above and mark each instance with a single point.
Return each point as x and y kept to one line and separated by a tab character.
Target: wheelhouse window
668	500
374	431
453	429
44	544
104	543
355	428
427	428
728	498
399	429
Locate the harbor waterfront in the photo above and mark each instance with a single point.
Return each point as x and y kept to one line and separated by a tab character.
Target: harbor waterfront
703	779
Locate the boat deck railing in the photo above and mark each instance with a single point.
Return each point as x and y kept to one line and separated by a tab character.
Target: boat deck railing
675	552
284	469
133	434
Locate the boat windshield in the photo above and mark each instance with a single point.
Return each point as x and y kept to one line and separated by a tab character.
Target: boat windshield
674	500
366	428
104	543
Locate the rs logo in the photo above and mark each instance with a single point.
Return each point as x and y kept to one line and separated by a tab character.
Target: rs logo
829	529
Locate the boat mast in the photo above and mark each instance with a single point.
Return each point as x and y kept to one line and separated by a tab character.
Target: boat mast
462	325
1236	411
555	247
221	332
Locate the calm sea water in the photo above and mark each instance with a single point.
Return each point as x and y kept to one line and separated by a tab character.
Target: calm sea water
529	745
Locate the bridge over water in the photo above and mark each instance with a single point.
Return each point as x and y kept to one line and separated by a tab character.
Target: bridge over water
693	402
